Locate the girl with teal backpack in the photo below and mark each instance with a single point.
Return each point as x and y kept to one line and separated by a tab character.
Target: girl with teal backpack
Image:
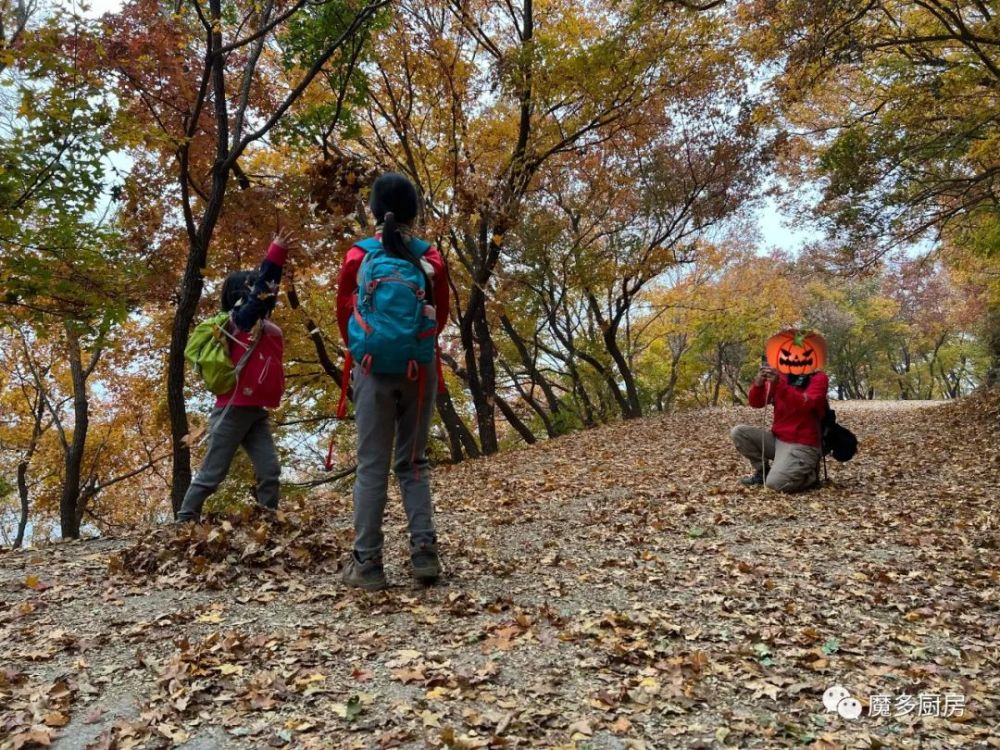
239	353
392	302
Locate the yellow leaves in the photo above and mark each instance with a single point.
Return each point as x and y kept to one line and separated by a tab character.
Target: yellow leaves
407	676
228	669
580	730
403	657
173	733
650	685
437	693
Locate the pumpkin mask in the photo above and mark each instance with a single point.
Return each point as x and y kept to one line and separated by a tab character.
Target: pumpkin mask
796	352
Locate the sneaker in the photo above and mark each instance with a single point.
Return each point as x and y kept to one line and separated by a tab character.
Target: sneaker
368	575
426	564
752	481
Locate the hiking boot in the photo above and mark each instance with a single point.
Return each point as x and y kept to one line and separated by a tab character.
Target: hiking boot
426	564
368	575
753	481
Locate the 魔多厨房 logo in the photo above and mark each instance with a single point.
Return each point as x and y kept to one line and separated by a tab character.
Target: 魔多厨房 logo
837	699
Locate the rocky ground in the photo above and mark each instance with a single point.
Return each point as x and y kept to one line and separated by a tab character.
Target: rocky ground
611	589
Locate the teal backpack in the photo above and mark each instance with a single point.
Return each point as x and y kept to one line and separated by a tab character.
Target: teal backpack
393	327
208	352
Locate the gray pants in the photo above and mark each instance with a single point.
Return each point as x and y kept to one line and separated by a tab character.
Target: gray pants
385	409
246	426
794	467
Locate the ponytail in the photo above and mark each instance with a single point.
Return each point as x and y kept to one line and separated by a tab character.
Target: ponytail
392	238
393	242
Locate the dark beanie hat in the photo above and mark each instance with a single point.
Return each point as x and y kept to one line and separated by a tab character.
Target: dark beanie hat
393	192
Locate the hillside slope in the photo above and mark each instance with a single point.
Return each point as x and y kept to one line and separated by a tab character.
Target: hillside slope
616	588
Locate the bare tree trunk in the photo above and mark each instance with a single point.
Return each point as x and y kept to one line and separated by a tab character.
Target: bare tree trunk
515	421
22	467
580	391
22	492
477	345
632	408
718	376
531	401
460	439
484	396
312	331
530	364
69	513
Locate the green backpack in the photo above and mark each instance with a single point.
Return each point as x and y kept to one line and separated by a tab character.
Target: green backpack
208	353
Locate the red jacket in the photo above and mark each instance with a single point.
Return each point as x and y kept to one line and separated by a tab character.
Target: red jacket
797	411
262	381
347	293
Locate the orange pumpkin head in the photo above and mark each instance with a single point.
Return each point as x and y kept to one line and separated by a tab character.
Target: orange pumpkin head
796	352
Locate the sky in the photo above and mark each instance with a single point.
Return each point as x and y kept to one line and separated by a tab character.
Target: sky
778	229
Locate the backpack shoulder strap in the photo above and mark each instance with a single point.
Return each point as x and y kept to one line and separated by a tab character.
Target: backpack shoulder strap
418	247
369	244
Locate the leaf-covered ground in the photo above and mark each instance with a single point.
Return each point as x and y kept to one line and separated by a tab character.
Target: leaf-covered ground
610	589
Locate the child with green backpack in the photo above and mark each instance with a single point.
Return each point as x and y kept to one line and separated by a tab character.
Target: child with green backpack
239	354
392	301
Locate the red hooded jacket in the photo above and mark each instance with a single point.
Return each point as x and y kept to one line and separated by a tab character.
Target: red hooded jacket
262	381
797	411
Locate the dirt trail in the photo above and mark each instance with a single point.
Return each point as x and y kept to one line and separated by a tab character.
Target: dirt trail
616	588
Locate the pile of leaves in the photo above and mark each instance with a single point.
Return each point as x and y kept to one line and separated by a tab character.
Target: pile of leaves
981	409
34	710
223	547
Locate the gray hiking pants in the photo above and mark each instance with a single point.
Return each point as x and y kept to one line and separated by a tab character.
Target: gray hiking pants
385	410
246	426
793	467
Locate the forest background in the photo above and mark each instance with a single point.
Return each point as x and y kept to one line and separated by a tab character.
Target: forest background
593	172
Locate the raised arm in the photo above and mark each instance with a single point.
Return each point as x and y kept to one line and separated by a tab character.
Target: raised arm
260	301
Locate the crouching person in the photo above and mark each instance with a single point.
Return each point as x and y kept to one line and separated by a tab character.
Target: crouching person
787	457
